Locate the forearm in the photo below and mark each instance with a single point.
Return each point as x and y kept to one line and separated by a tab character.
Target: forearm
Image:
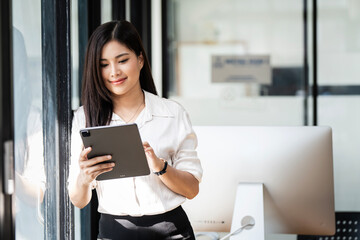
80	194
180	182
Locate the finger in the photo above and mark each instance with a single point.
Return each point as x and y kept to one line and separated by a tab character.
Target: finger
148	149
150	152
146	144
84	153
97	160
103	166
96	169
102	171
94	174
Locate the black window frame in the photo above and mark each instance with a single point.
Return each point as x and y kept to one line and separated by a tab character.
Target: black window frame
57	116
7	218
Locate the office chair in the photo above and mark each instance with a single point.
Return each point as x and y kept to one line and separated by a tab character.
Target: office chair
347	228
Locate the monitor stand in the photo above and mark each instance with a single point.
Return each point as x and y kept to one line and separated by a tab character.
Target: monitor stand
248	217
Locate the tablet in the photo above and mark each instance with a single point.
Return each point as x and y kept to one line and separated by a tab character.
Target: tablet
123	143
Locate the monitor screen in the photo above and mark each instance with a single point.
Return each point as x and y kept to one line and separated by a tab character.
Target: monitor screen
294	164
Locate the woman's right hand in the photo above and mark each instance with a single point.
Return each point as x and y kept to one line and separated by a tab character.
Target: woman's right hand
93	167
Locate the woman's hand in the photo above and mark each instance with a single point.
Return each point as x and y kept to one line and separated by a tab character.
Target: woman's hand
178	181
80	192
155	163
93	167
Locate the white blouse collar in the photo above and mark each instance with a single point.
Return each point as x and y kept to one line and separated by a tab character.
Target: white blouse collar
154	106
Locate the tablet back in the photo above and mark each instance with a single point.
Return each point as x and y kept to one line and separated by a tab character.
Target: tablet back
123	143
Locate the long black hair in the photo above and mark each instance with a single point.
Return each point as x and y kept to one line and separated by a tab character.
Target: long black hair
96	98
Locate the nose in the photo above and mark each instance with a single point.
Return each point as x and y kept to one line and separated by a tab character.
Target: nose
115	71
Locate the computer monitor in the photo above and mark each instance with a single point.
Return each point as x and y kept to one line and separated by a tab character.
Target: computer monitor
293	164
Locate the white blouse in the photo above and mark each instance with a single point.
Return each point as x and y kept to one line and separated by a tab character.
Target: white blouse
167	127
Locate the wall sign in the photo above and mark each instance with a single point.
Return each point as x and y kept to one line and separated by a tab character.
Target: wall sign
241	68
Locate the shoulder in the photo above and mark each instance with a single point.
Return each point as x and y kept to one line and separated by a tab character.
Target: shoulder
163	106
79	117
79	112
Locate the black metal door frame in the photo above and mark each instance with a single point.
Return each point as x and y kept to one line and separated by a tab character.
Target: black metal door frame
56	89
7	218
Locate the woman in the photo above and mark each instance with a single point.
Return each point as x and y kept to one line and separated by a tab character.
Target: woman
117	89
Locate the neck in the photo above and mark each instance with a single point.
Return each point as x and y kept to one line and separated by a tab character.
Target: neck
128	107
128	101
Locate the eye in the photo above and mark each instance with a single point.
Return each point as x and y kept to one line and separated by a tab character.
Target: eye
103	65
124	61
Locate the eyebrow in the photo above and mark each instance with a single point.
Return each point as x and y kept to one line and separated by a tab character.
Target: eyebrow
118	56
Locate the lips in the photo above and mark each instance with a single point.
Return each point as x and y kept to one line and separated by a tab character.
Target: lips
118	81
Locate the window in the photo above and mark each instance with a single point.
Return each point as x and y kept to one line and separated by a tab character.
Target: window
30	177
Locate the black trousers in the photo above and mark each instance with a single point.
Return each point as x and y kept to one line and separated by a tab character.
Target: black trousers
167	226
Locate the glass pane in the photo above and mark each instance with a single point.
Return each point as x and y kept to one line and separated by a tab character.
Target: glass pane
259	46
75	95
243	33
106	14
29	161
75	91
338	73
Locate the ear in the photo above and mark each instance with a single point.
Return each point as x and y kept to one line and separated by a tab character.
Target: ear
141	60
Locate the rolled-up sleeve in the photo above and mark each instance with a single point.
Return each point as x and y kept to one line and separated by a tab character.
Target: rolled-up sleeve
186	158
75	152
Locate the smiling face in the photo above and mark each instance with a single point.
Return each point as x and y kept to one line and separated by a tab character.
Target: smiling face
120	69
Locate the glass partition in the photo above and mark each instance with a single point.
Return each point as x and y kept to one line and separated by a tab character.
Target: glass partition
30	176
339	93
204	35
238	62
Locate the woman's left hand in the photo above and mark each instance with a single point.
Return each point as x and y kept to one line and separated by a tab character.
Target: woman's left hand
155	163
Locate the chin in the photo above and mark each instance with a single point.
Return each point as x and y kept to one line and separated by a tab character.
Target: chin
118	93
